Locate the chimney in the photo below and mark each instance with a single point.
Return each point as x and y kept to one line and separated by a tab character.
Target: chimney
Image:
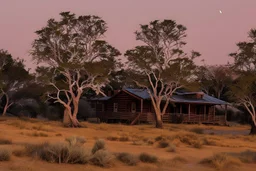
199	95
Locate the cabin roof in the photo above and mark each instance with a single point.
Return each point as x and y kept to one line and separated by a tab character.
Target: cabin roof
178	97
205	100
141	93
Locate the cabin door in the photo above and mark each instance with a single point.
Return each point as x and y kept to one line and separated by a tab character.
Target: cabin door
133	107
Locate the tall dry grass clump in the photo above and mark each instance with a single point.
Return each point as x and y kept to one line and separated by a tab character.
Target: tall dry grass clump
99	145
76	140
58	153
5	154
127	158
221	161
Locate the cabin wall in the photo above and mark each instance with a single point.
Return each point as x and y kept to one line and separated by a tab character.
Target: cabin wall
124	101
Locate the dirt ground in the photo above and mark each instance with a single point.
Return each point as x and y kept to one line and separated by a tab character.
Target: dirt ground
23	131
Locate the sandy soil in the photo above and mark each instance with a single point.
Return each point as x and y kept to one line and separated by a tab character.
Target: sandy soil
20	131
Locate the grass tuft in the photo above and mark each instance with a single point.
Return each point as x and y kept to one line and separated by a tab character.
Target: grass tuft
99	145
197	130
5	154
127	158
221	161
76	140
102	158
171	148
147	158
163	144
5	141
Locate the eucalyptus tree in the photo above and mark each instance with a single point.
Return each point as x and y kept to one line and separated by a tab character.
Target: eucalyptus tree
74	50
13	76
244	89
160	65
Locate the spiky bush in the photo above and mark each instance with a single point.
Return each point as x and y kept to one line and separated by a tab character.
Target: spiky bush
99	145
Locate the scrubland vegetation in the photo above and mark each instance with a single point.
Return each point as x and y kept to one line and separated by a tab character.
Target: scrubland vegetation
99	146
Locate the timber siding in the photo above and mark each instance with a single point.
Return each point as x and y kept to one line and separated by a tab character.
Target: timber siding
194	107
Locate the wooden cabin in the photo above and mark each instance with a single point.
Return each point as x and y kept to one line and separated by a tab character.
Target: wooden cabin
128	105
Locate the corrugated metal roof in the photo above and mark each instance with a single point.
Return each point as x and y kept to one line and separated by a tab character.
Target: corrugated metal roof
180	97
205	100
177	98
142	93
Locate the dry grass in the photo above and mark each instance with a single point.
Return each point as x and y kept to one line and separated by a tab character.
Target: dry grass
127	158
247	156
19	124
147	158
40	127
76	140
5	141
5	154
59	153
99	145
197	130
19	152
58	135
221	161
102	158
163	144
171	148
38	134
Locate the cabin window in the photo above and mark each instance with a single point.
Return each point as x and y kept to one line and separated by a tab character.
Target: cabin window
115	107
133	107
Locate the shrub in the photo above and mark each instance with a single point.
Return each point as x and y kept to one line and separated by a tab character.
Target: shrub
171	148
74	140
102	158
99	145
137	142
59	153
112	138
197	130
147	158
40	127
207	141
58	135
38	134
20	152
5	154
179	159
124	138
128	159
245	156
221	161
18	124
163	144
198	144
5	141
159	138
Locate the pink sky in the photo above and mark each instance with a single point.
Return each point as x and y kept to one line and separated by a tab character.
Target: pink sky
212	34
